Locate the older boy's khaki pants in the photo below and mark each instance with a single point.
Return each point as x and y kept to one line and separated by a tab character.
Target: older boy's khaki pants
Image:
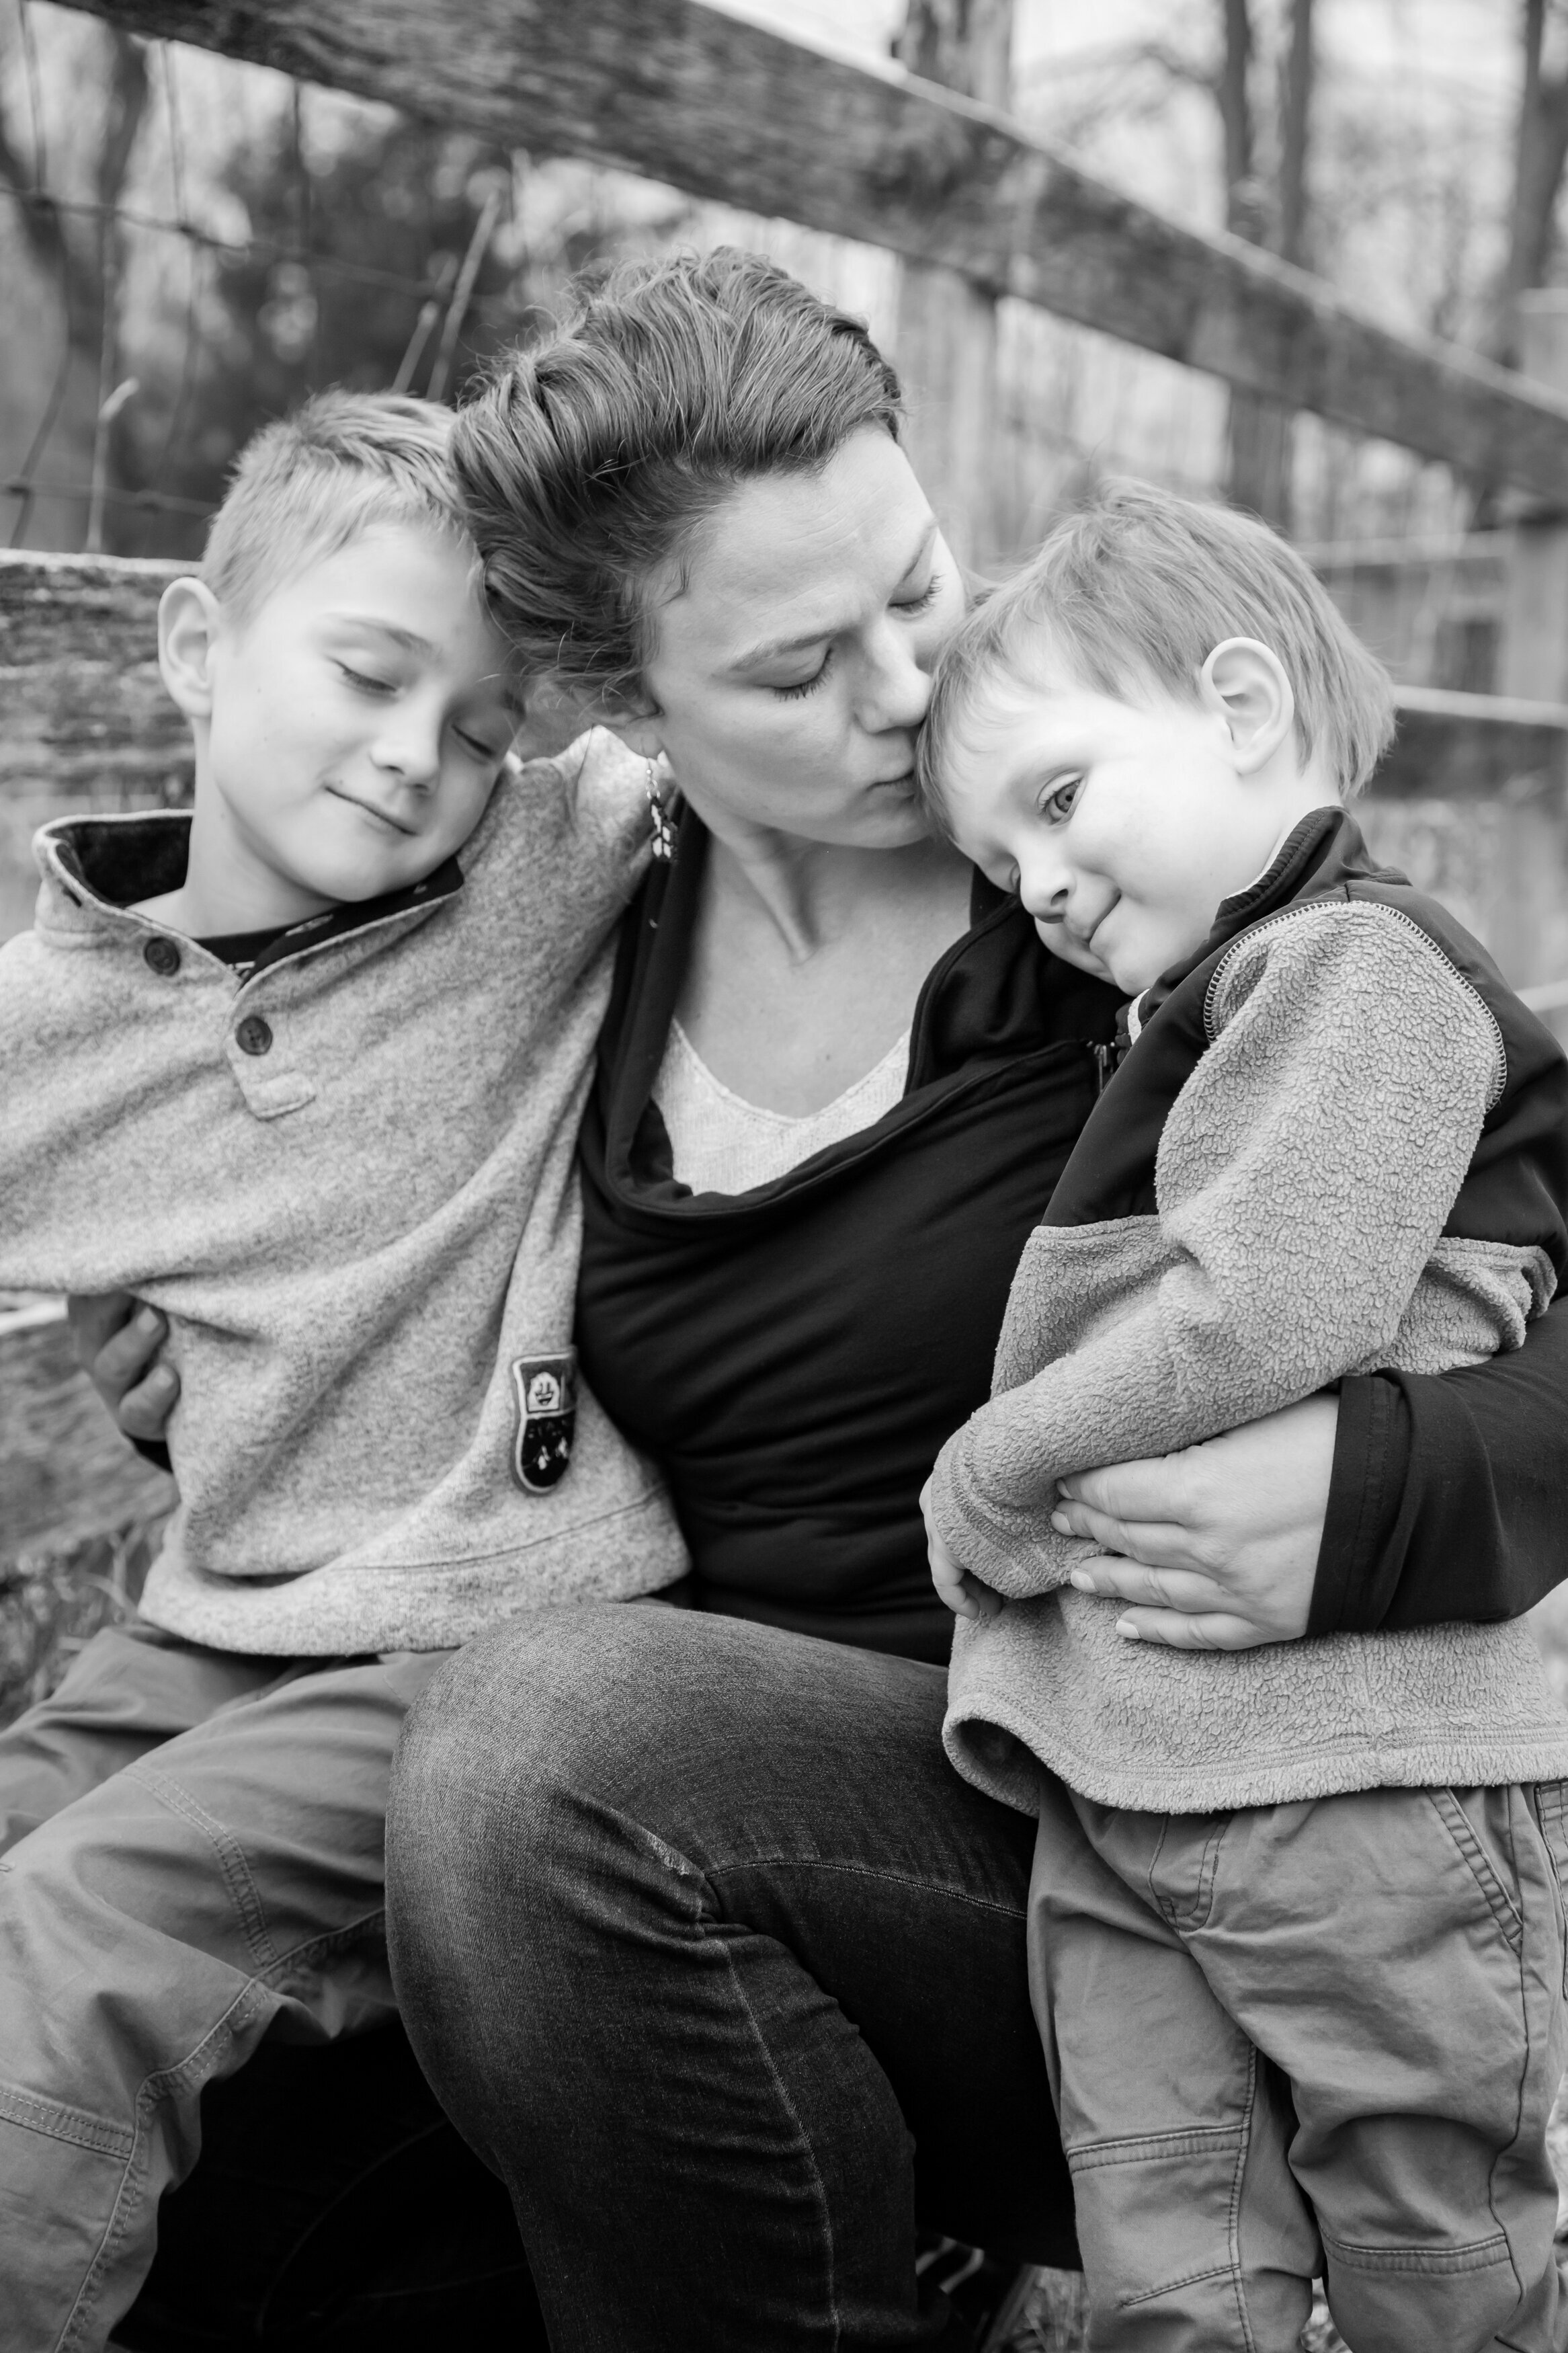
1320	2038
192	1847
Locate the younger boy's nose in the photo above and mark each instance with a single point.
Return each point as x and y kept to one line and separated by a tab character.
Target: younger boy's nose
1044	889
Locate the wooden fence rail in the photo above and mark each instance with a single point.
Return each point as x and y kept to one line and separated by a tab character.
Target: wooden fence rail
726	110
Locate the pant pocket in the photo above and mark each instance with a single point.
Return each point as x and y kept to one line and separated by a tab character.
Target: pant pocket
1473	1840
1550	1803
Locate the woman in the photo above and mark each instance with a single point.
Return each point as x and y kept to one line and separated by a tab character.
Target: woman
702	1944
704	1947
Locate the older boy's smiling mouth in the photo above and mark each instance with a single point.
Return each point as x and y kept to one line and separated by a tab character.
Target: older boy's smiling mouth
372	809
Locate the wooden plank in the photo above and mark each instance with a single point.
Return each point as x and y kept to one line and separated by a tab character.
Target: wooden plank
723	109
85	709
1474	747
64	1472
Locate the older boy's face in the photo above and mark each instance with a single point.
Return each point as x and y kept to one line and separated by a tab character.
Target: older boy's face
1120	825
359	719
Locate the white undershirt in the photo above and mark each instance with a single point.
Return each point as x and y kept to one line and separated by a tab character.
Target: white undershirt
722	1144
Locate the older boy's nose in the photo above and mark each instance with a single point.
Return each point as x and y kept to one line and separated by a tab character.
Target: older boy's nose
410	747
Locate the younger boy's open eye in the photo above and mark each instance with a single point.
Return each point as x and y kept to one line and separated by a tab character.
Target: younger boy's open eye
1059	802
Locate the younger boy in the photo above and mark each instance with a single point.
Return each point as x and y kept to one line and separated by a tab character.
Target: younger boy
1296	1934
304	1071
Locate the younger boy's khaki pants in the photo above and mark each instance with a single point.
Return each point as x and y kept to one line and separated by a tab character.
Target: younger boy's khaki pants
193	1849
1320	2038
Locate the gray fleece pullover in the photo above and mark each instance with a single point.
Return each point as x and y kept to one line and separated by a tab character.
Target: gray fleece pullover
1302	1229
348	1180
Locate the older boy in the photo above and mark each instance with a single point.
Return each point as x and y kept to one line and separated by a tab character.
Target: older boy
304	1071
1297	1938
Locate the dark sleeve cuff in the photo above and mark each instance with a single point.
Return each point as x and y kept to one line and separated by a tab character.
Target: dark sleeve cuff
1372	1456
1446	1498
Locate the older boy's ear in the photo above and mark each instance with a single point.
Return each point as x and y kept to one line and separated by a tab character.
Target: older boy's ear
1245	682
188	620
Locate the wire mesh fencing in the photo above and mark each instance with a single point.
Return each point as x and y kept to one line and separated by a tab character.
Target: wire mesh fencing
190	244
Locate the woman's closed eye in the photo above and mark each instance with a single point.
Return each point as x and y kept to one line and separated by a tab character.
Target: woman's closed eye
797	687
925	601
906	605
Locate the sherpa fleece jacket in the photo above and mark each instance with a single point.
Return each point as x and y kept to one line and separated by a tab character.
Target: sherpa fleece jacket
348	1179
1337	1142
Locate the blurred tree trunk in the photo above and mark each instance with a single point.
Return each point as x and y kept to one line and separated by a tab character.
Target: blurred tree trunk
1541	148
945	339
81	260
1259	467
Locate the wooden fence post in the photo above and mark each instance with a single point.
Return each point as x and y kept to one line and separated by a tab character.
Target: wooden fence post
1533	655
945	339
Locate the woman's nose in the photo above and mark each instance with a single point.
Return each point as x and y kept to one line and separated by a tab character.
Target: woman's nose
898	689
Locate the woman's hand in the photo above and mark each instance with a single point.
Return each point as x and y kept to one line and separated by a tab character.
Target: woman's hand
1220	1542
116	1342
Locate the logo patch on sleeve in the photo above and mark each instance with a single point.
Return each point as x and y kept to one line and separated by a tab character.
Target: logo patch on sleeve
546	1390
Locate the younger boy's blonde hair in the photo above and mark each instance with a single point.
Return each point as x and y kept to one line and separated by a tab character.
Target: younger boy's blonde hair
1136	591
312	483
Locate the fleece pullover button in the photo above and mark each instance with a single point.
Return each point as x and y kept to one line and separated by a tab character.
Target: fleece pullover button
163	957
253	1036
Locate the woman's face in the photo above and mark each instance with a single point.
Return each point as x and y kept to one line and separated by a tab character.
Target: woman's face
791	660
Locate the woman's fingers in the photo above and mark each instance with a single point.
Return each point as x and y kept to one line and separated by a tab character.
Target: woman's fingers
1217	1630
116	1343
1158	1588
1161	1544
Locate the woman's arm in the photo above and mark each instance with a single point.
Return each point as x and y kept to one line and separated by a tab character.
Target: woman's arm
1422	1498
1449	1491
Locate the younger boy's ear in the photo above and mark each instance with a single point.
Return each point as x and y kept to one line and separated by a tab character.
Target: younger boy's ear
188	621
1246	683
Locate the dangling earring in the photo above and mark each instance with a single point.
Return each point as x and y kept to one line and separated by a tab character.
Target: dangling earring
660	818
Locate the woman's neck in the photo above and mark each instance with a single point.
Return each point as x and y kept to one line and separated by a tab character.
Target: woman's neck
811	893
806	960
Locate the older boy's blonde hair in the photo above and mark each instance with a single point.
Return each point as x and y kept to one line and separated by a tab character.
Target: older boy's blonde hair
1136	590
309	485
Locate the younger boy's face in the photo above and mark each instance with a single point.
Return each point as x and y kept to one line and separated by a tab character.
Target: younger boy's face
1120	825
359	721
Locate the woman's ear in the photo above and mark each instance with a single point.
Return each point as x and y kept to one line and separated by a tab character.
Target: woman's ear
189	619
1245	684
640	732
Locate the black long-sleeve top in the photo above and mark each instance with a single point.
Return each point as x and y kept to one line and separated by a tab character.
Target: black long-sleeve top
796	1355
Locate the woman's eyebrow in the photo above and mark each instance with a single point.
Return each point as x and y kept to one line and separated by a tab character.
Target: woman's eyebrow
774	648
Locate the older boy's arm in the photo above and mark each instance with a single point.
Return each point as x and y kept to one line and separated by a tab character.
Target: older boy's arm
1306	1174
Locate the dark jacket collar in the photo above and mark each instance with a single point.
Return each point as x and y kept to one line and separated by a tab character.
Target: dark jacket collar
994	997
1322	851
119	861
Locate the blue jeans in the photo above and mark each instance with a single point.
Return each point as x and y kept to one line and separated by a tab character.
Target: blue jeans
711	1955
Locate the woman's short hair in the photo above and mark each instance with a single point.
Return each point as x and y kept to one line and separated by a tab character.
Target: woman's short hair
588	462
1135	591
